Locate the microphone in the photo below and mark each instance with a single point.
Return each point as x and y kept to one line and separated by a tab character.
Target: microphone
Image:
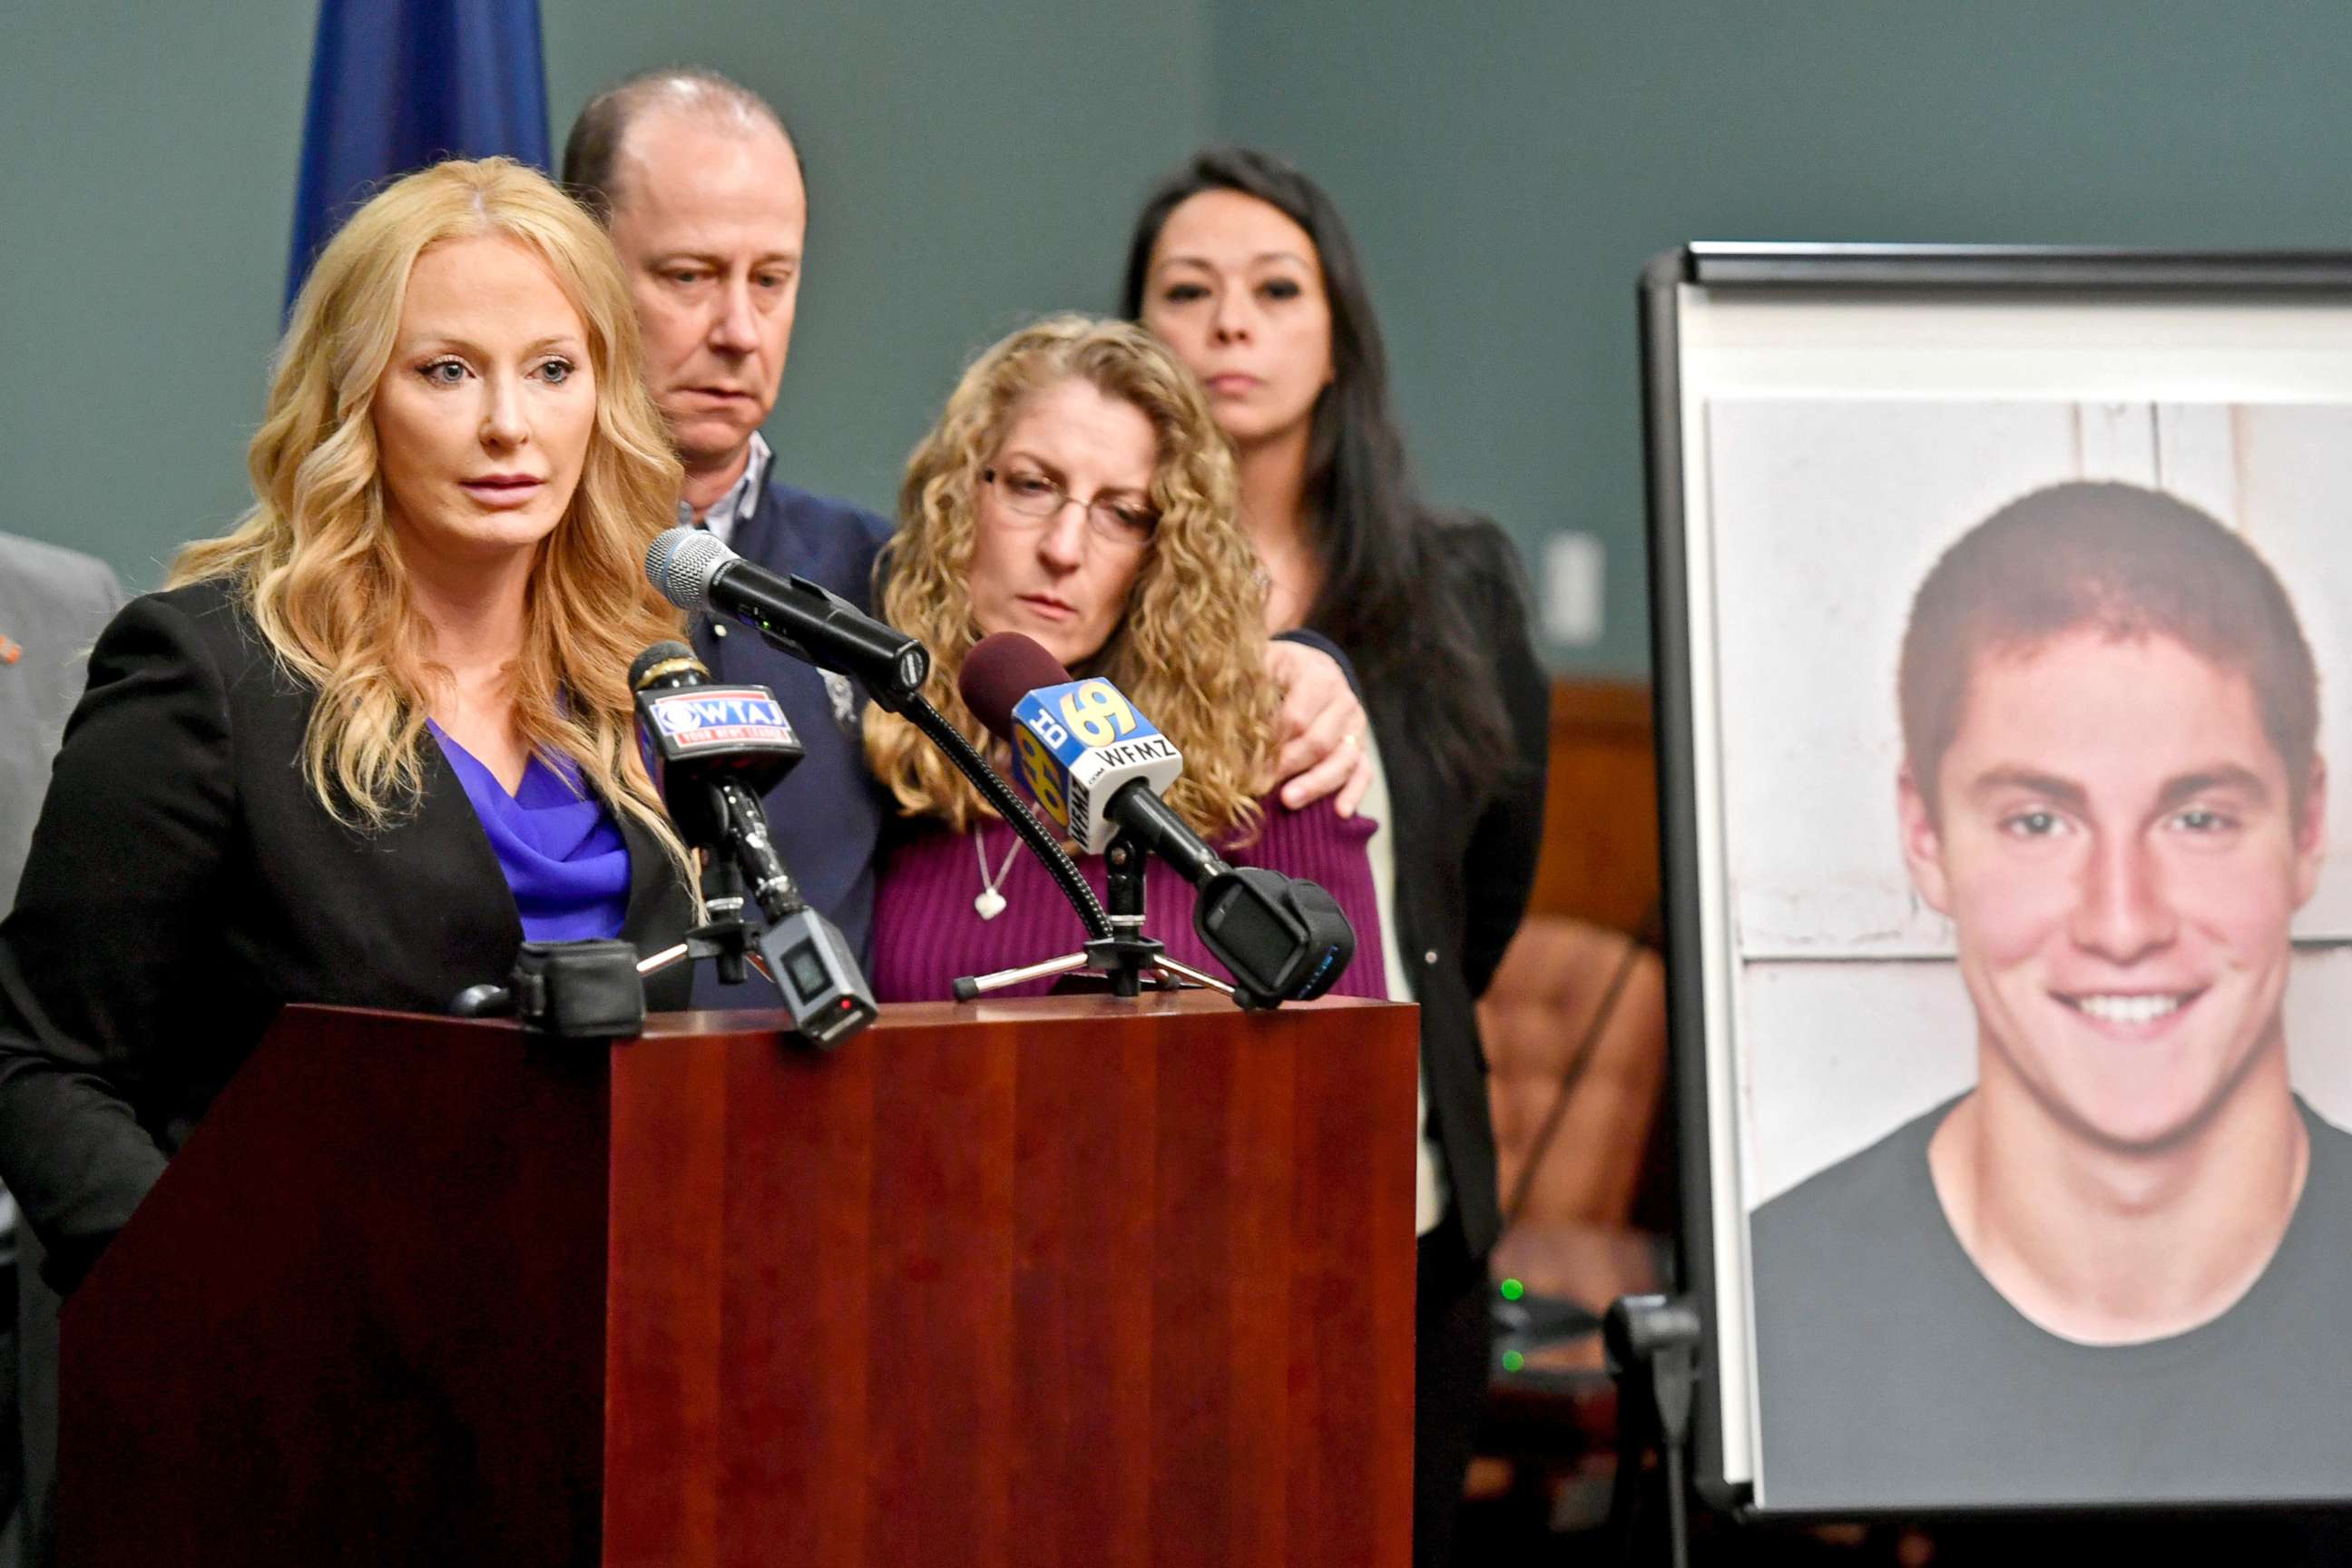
695	570
704	734
1076	744
1097	767
718	749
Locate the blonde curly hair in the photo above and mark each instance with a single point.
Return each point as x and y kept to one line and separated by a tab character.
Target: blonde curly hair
1190	650
321	572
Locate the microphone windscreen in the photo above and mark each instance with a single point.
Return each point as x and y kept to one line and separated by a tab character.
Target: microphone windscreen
663	659
681	563
1001	670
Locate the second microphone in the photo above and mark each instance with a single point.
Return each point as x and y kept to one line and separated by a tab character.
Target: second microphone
1100	768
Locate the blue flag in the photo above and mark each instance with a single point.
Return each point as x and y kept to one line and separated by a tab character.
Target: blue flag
396	85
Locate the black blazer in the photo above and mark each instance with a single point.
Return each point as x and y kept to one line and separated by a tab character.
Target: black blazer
185	883
1462	876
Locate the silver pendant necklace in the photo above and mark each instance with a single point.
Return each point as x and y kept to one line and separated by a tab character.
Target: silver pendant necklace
988	903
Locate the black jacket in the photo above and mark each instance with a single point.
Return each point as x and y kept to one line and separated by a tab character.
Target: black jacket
186	882
1463	871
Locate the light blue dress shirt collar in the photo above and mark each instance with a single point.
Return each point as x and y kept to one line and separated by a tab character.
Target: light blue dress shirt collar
736	504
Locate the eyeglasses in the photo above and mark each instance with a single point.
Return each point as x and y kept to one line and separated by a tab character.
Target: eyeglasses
1033	495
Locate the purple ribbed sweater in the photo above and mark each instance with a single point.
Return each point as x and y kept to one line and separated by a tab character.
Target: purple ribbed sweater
926	934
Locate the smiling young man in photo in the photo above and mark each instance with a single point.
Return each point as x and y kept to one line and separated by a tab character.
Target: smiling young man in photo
2112	1269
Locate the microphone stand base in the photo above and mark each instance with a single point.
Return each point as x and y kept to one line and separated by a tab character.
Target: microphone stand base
1123	966
1123	962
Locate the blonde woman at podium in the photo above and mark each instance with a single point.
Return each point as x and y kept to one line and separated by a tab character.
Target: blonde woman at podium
1077	490
371	739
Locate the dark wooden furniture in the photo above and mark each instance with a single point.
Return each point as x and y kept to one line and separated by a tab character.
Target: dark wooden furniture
1599	860
1071	1281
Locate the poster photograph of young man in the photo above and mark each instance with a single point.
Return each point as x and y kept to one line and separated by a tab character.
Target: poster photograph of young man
2042	1088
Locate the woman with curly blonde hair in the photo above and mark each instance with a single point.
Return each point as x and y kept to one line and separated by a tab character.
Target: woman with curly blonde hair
1077	490
378	735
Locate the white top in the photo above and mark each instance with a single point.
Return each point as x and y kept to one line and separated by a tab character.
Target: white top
1428	1194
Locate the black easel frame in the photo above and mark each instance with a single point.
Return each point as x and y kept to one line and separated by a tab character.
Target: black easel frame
1877	273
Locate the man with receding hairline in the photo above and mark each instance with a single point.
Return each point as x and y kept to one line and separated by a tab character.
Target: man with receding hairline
2112	1271
700	187
699	183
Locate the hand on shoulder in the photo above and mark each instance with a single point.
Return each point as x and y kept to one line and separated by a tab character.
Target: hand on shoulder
1321	730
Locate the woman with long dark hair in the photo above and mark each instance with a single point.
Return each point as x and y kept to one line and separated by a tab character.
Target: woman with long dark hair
1241	263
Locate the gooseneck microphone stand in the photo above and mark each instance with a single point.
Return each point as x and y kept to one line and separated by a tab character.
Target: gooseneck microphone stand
1018	817
1123	955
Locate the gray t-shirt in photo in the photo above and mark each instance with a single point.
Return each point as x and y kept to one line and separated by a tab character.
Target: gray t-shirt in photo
1891	1375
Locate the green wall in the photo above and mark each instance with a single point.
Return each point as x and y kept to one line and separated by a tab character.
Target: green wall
966	171
1508	166
146	205
960	165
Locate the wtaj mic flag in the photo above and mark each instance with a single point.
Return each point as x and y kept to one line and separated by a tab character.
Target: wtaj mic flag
396	85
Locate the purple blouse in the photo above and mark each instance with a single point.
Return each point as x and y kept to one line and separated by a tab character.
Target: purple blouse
927	932
562	853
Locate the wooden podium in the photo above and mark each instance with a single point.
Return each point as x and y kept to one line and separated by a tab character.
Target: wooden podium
1058	1282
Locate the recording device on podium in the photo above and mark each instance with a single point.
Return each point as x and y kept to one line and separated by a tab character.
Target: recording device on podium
717	750
1098	768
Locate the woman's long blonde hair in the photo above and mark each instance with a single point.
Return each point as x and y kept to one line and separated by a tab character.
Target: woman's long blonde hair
321	572
1190	647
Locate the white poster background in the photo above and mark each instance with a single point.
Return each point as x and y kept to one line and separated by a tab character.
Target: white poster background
1851	1019
1838	348
1826	515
